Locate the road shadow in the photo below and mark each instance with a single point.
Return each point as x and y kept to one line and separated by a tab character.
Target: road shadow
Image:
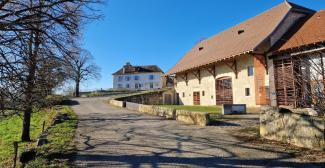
70	102
132	140
155	161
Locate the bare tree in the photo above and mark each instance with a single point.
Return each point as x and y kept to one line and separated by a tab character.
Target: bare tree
35	36
81	68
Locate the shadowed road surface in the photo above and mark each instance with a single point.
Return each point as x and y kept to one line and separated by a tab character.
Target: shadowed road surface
115	137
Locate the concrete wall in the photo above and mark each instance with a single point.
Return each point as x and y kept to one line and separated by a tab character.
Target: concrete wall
300	130
208	84
143	80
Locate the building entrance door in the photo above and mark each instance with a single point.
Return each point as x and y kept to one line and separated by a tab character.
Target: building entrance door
224	91
196	98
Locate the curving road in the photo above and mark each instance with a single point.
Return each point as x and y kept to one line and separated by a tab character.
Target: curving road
115	137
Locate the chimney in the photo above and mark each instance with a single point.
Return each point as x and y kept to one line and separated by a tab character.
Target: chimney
126	66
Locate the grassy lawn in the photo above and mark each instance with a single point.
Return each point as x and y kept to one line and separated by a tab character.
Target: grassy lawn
208	109
10	131
61	146
60	138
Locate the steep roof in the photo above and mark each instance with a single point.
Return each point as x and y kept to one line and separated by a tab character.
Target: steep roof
240	39
310	32
130	69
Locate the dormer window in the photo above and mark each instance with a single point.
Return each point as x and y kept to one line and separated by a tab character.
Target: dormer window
241	31
201	48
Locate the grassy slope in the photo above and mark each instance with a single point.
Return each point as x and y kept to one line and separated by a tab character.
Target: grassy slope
10	131
208	109
61	144
60	137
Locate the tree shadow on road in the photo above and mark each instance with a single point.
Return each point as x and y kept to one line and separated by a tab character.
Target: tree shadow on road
138	140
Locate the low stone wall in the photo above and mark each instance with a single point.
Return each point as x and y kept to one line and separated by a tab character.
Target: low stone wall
300	130
168	113
117	103
146	109
132	106
197	118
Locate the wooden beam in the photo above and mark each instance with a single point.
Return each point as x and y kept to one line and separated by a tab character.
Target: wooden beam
197	74
262	59
232	64
184	77
212	70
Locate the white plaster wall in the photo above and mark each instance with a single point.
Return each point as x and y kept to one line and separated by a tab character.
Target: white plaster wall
208	84
143	80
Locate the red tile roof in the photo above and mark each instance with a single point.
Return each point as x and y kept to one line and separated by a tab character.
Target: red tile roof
244	37
311	32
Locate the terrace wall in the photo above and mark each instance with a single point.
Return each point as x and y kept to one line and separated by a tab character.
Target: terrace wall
297	129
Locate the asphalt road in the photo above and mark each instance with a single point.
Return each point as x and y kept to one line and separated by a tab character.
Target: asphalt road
113	137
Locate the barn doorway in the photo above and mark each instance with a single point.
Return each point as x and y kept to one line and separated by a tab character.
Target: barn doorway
224	91
291	82
196	98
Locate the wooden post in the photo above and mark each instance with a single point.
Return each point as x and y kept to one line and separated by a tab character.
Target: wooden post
15	153
43	126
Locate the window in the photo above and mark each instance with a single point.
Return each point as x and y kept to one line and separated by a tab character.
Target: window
151	77
241	31
127	85
120	78
201	48
151	85
247	92
136	77
136	86
183	94
203	93
119	85
250	71
127	78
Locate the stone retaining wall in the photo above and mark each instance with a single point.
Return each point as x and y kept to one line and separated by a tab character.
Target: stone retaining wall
153	98
197	118
117	103
300	130
132	106
146	109
168	113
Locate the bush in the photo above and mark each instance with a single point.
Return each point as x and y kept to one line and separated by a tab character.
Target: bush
52	100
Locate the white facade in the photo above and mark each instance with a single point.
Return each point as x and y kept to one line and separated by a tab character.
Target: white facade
138	81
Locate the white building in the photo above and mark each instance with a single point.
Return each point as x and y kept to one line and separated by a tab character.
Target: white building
131	77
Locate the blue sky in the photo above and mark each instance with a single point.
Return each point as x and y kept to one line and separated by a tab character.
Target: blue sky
146	32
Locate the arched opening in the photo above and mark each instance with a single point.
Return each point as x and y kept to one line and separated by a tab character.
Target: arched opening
224	90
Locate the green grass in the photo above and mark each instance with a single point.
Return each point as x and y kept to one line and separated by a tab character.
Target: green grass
61	146
10	131
60	137
208	109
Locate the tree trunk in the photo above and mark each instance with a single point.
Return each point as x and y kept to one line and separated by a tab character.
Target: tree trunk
25	136
77	89
30	84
